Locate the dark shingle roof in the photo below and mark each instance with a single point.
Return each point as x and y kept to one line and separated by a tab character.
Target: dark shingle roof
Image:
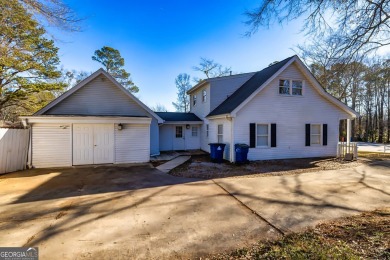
178	116
250	86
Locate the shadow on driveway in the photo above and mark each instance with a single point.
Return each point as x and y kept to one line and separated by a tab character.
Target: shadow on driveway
47	184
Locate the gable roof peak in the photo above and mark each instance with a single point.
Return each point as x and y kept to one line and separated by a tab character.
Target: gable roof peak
88	79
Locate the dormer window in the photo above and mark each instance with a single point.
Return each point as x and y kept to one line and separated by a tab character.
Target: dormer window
284	87
204	95
194	100
290	87
297	87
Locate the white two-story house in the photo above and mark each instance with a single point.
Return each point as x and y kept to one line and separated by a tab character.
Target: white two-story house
280	112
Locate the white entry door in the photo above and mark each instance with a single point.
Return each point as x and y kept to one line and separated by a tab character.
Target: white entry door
179	137
93	143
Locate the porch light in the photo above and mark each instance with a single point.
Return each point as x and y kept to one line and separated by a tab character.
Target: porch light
119	127
187	126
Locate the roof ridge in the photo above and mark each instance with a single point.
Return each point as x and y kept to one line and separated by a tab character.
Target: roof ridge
241	94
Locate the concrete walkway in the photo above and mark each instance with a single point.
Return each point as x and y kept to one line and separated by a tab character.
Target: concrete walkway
168	166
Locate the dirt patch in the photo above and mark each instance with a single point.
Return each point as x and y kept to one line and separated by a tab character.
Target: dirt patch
365	236
158	163
202	167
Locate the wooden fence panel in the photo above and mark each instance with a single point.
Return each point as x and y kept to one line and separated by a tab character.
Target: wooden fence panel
13	149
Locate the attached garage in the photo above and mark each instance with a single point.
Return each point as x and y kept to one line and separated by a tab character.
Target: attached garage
96	122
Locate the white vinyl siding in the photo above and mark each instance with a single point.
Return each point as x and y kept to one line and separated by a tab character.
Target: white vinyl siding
132	144
226	137
290	115
51	145
167	136
99	97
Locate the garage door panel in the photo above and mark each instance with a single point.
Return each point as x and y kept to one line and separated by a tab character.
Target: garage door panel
82	144
103	144
93	143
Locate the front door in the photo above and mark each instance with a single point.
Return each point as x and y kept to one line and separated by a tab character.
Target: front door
93	143
179	137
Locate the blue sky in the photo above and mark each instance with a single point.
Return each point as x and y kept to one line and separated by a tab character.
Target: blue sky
161	39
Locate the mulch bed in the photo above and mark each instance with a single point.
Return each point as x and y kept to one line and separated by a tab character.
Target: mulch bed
202	167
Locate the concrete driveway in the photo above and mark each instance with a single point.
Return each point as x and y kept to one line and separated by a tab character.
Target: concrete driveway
122	212
294	202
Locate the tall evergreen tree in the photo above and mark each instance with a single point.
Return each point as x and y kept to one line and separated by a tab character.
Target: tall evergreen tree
113	62
28	62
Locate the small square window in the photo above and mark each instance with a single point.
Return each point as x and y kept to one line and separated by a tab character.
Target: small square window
297	87
284	87
194	131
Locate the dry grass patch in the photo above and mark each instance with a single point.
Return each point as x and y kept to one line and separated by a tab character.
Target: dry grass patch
364	236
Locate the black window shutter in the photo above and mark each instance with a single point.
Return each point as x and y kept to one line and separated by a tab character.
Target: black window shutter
273	135
252	135
307	135
325	134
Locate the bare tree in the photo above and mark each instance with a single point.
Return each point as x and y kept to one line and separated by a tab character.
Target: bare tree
53	13
211	69
182	82
159	108
357	27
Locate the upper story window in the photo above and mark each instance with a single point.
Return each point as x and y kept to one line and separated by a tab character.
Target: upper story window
296	87
204	95
194	100
290	87
284	87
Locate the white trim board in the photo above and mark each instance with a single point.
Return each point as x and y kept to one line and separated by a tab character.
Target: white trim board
85	119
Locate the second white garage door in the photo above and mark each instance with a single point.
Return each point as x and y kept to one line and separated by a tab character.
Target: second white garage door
93	143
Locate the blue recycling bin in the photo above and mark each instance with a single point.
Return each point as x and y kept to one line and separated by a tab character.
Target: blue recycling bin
216	152
241	153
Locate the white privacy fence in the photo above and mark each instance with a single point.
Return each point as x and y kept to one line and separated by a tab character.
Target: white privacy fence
13	149
344	148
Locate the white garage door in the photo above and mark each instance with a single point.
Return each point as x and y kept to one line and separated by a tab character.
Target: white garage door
93	143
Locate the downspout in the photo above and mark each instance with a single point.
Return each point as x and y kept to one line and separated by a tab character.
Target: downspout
232	149
29	153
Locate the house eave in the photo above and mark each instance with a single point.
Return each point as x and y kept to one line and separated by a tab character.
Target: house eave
182	123
84	119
